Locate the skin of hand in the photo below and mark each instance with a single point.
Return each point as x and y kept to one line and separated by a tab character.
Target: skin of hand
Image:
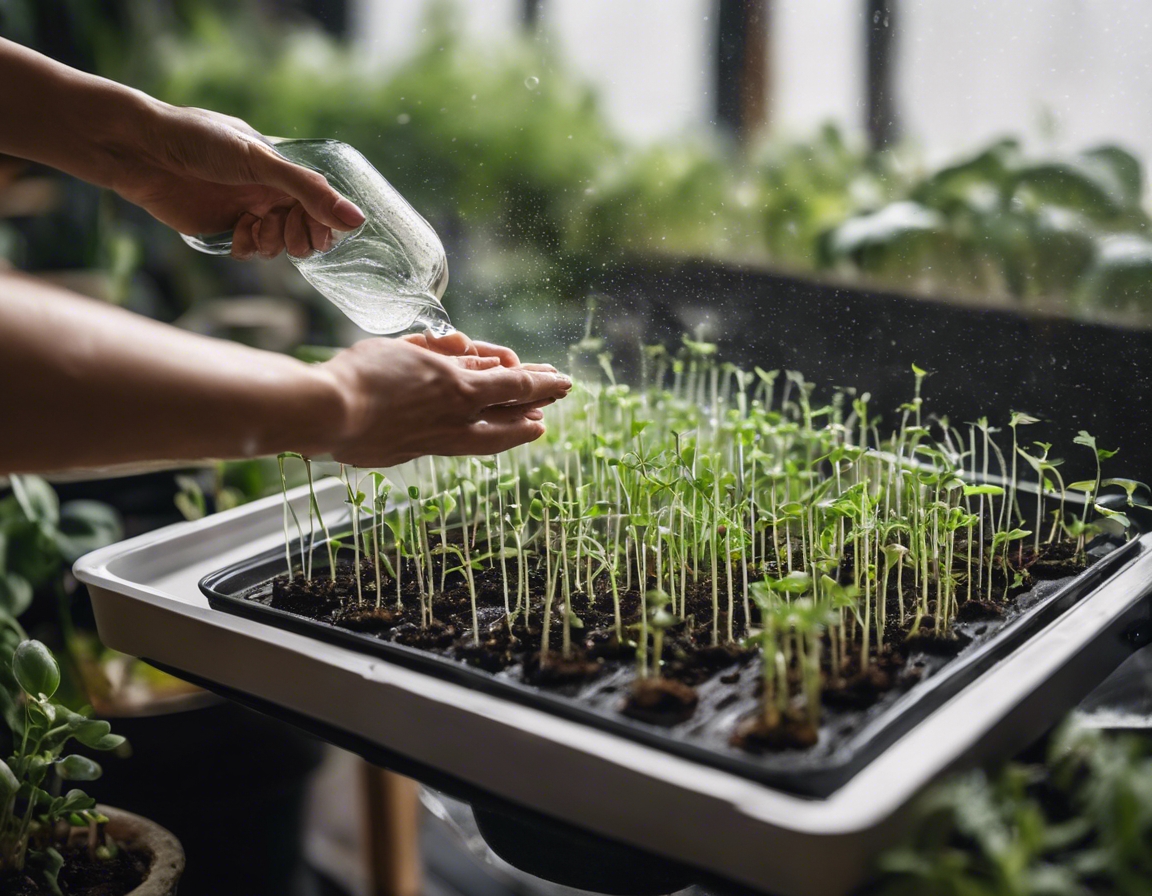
196	171
200	172
457	344
469	404
92	385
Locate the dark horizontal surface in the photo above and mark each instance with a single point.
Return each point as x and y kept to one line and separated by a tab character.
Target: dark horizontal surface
984	361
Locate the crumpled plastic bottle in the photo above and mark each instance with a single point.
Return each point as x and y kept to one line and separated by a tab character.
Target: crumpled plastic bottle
389	274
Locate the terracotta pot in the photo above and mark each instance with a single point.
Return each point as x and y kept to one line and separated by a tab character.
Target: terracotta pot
140	834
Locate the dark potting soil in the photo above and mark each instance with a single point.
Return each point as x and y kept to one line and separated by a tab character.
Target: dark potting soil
83	875
708	693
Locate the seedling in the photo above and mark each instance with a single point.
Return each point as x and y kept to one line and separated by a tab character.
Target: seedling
735	505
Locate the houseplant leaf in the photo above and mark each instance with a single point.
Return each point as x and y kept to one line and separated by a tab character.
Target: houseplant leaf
36	670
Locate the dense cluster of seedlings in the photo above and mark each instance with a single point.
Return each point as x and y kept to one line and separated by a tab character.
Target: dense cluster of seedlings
687	525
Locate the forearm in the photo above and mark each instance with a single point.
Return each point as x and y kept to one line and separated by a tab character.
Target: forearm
81	124
89	385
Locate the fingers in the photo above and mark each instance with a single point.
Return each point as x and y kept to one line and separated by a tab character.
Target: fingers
510	412
318	235
472	362
515	385
309	188
455	343
284	226
507	357
244	236
270	235
492	438
297	239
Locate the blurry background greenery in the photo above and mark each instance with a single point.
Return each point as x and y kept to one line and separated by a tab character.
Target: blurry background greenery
536	196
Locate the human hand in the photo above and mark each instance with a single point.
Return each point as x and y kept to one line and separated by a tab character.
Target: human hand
201	172
456	344
405	401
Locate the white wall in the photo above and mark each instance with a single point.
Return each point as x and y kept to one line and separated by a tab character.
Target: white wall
817	64
966	70
391	30
969	71
651	60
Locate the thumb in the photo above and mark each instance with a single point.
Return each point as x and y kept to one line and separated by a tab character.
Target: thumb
310	188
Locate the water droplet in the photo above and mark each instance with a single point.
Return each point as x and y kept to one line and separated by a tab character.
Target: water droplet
531	82
403	118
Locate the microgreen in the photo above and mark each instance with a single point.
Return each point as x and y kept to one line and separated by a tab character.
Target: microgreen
734	507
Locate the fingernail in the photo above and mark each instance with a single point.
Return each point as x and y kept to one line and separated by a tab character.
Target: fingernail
535	415
348	212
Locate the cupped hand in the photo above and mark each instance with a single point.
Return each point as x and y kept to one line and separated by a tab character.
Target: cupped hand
405	401
201	172
456	344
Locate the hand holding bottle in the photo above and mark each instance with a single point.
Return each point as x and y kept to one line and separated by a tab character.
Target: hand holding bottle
197	171
209	173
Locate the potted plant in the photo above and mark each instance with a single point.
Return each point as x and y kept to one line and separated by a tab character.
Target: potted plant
176	730
63	843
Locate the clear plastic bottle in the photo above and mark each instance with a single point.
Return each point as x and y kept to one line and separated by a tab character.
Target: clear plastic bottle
389	274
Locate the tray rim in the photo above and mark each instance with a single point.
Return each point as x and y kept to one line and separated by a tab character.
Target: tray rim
815	780
147	603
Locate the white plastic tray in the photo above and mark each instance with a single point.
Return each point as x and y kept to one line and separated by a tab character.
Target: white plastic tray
147	603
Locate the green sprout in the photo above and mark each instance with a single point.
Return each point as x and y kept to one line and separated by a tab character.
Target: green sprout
741	513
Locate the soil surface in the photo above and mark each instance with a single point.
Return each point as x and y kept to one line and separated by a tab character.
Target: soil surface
83	875
707	690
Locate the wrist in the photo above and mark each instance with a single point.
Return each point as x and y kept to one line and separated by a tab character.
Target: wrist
122	122
321	418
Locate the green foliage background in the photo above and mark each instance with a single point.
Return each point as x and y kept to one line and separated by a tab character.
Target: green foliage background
508	154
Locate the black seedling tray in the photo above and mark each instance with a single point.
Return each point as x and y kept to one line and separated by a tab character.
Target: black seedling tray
849	739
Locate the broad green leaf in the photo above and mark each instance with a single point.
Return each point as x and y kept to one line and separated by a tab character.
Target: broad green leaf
108	742
970	490
1116	515
1122	168
91	731
49	862
796	582
36	670
86	526
77	768
8	782
76	801
36	499
1121	270
15	594
1129	485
